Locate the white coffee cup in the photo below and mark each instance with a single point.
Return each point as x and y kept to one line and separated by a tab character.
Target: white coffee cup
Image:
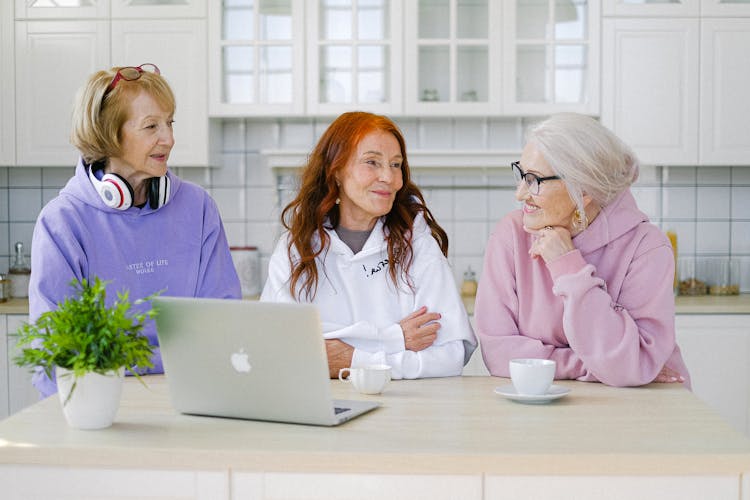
370	379
532	376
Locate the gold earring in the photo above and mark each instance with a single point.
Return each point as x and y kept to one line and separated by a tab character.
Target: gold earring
579	221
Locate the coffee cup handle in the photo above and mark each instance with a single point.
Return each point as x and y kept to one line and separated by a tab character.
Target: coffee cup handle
341	374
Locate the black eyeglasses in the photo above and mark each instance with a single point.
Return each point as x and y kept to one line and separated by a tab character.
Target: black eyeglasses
533	181
130	73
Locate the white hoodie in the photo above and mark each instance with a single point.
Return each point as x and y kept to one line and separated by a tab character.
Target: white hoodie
359	304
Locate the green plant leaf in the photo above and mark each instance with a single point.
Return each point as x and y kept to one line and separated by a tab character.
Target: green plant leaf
85	335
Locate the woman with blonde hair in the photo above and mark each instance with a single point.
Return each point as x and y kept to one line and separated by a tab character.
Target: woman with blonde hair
124	216
579	275
363	247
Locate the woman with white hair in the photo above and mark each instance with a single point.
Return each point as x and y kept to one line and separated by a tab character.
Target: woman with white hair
579	275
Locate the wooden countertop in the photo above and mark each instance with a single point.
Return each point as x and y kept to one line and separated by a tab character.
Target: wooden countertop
707	304
454	425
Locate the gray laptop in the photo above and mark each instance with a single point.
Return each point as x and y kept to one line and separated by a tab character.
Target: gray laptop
250	360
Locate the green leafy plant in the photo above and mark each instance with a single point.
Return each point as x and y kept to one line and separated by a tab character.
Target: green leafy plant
85	335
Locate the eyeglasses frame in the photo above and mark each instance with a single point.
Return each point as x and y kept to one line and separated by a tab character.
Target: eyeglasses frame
516	165
119	76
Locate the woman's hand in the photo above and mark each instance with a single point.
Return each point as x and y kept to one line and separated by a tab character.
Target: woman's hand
420	329
668	375
550	242
339	356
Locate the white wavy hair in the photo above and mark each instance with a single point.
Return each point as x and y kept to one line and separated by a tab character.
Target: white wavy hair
587	156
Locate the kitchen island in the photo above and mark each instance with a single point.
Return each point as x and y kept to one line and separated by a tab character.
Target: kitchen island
433	438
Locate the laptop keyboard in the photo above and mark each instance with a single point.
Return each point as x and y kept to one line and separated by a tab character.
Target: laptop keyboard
338	410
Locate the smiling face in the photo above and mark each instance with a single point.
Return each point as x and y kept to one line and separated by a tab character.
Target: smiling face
553	205
369	182
146	141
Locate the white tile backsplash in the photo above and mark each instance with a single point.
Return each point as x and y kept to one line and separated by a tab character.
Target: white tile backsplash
712	237
470	205
714	175
470	133
713	202
231	202
701	204
25	177
434	134
741	237
678	202
296	135
24	204
679	175
740	202
56	177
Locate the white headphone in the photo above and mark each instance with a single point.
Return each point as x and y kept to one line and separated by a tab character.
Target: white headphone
117	193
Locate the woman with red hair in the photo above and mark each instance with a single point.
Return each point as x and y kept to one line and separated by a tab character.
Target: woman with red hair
363	247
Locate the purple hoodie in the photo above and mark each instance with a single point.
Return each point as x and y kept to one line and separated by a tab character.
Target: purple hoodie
179	248
604	312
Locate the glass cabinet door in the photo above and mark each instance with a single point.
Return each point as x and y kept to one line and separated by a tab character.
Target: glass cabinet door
554	63
725	7
651	8
354	56
256	58
451	56
61	9
156	9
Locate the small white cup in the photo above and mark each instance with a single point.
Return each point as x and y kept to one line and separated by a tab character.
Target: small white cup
370	379
532	376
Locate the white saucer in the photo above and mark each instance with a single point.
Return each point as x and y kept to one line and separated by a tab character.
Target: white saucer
554	392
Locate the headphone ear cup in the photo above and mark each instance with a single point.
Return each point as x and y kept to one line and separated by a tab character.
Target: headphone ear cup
159	191
114	191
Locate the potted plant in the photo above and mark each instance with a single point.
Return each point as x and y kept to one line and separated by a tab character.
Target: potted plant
89	344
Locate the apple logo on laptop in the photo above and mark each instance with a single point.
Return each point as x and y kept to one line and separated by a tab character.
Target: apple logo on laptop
241	361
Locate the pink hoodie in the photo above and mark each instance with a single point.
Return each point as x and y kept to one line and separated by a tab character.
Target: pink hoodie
604	312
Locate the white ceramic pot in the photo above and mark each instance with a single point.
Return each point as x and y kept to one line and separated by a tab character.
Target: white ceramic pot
95	400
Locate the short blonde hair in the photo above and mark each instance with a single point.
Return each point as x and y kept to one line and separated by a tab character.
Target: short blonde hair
588	157
98	115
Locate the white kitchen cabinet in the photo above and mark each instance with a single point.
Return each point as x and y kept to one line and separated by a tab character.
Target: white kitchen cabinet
4	363
674	89
20	391
324	486
452	57
725	8
53	59
724	106
177	47
652	8
71	483
16	391
158	9
256	58
354	52
562	487
551	57
47	9
650	89
716	350
7	89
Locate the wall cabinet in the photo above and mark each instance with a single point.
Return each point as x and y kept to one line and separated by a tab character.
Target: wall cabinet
7	87
673	88
54	58
418	57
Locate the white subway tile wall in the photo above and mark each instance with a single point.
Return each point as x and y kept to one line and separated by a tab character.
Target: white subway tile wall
708	207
